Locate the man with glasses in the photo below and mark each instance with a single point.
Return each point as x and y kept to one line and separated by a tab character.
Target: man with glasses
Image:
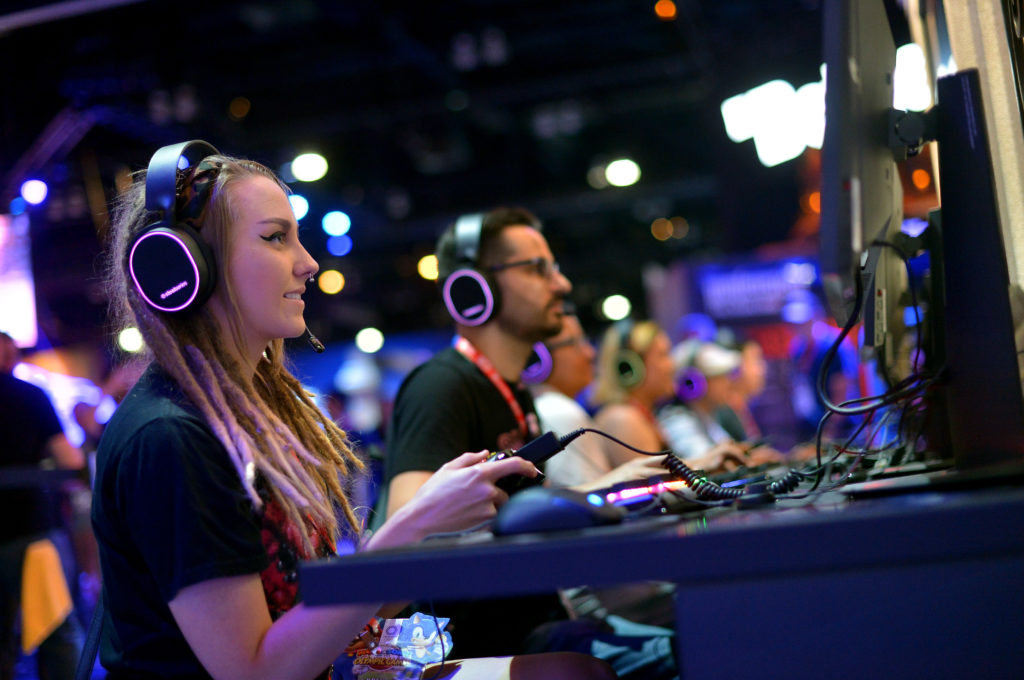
470	396
583	464
614	616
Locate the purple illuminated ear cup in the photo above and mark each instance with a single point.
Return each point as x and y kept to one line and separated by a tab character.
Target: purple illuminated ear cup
538	369
692	385
469	297
172	268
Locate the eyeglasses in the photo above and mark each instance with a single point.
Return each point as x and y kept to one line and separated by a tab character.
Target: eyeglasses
541	266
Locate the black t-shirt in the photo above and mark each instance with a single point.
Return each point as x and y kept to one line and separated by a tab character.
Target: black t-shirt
27	422
444	408
169	511
447	406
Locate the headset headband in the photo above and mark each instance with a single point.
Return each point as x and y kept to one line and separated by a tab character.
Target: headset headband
162	174
467	237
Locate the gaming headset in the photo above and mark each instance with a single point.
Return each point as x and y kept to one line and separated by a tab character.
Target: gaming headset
691	383
629	365
470	294
172	267
538	368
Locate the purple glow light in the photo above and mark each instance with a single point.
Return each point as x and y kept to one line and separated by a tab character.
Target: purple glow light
477	314
191	261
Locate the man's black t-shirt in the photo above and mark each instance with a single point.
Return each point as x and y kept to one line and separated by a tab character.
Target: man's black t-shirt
168	511
27	422
445	407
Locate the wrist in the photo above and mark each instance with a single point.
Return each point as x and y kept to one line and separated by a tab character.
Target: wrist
400	529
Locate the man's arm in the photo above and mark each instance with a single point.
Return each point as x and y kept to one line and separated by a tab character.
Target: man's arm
429	427
403	487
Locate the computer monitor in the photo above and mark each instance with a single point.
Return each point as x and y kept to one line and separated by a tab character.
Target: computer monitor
861	193
983	386
974	405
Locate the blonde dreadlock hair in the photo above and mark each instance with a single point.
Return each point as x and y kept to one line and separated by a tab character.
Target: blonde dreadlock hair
268	423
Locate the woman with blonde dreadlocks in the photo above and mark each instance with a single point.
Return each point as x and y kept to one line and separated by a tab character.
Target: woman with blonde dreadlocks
217	473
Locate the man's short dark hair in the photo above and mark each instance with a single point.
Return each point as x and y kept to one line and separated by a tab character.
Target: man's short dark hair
490	250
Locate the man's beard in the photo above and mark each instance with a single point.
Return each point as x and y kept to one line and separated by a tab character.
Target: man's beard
532	332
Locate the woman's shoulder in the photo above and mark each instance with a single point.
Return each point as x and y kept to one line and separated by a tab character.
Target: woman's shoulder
155	410
619	414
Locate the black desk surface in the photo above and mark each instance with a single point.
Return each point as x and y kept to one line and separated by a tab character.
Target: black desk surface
793	537
918	585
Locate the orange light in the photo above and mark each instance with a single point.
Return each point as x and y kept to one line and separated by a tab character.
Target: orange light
665	10
680	227
239	108
921	179
331	281
661	229
814	201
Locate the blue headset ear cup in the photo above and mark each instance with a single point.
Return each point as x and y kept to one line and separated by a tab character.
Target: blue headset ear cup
691	384
538	368
469	297
629	368
172	267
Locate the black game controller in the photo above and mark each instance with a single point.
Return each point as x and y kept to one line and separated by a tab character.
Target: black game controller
536	451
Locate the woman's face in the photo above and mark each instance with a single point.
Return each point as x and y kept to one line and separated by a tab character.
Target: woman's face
659	369
267	267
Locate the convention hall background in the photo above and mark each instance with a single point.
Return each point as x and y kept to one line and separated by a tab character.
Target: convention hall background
424	113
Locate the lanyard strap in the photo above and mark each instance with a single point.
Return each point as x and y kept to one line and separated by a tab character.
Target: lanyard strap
466	349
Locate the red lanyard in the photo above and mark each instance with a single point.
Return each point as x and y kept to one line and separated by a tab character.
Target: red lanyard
466	349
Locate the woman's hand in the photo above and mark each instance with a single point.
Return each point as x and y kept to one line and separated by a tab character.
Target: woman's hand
460	495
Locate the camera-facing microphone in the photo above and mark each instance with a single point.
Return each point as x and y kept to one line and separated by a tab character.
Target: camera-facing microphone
317	346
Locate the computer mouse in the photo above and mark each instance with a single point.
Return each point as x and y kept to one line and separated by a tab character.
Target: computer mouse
541	509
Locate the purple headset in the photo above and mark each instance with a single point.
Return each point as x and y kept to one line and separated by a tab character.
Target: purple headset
538	368
172	267
691	383
469	294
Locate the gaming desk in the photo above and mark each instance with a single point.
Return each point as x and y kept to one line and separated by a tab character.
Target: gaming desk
919	585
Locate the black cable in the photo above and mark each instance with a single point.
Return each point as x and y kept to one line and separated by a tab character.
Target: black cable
565	440
440	637
890	396
701	486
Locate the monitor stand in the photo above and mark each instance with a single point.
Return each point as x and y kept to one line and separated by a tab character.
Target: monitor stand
950	479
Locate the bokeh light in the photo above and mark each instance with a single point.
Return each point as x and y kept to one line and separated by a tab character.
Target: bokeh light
239	108
130	340
309	167
427	267
622	172
369	340
339	246
336	223
300	206
665	10
331	281
34	191
616	307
